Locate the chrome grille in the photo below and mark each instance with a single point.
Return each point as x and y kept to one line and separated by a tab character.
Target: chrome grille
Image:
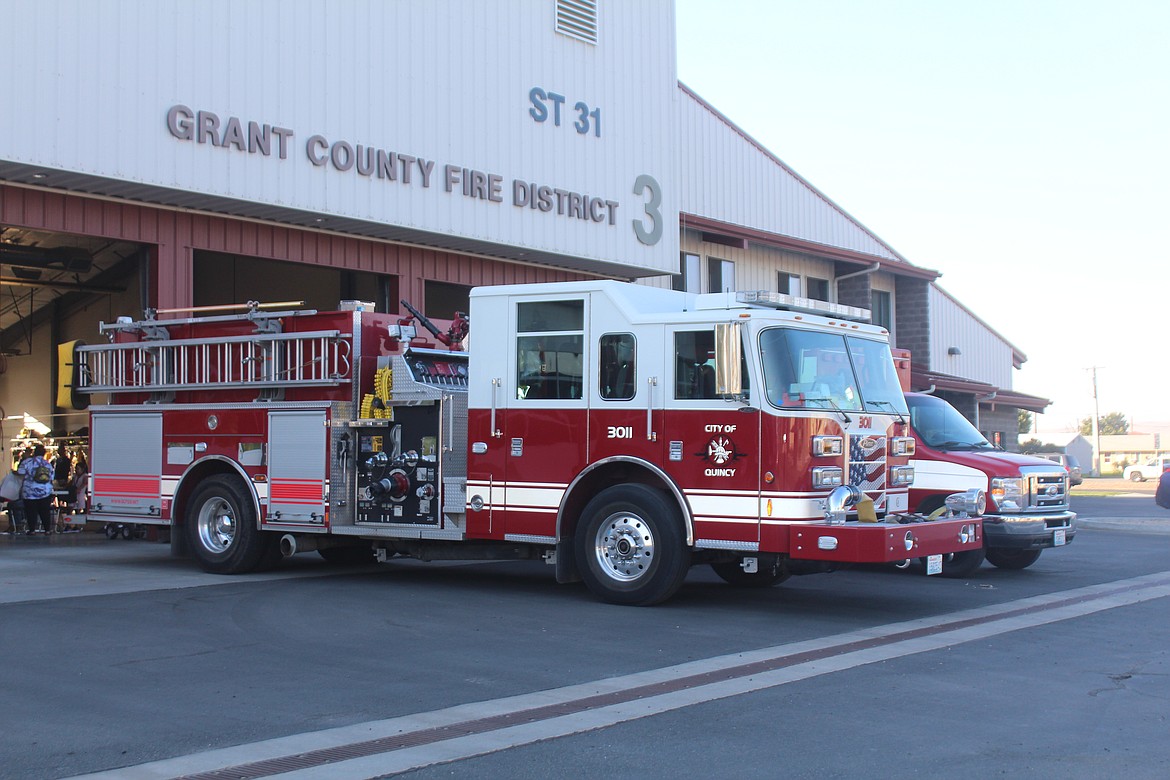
1048	491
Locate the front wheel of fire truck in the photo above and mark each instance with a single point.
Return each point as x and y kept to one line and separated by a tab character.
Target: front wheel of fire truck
630	546
221	527
1007	558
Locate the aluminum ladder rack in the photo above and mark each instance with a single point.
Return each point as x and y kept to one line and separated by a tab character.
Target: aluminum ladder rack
268	362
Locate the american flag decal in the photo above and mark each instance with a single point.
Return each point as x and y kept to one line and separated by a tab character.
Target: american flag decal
867	462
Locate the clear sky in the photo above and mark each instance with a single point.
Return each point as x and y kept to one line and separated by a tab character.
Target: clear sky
1022	149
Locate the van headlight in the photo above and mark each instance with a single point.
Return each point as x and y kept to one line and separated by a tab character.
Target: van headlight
1008	492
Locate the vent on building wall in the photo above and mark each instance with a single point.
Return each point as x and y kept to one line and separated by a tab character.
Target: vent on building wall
578	19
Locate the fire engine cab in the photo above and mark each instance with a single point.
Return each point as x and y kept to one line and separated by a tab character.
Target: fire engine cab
620	432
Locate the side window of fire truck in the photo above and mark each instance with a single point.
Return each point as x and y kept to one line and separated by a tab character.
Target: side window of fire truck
616	363
550	346
694	366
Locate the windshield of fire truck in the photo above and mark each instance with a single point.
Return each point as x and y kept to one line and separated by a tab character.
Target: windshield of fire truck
814	370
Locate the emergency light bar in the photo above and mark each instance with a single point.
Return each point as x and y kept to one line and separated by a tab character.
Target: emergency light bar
775	300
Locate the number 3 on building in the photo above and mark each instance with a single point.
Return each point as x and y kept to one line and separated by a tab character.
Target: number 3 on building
652	234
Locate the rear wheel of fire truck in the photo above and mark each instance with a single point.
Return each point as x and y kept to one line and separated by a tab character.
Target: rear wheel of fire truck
1007	558
955	565
630	546
733	574
221	527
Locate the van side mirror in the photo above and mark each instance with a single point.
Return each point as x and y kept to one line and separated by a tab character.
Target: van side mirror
728	359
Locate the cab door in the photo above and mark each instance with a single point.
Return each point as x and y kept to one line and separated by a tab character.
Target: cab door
713	443
546	422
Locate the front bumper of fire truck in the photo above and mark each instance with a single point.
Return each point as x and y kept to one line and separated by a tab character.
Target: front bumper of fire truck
1030	531
884	542
892	540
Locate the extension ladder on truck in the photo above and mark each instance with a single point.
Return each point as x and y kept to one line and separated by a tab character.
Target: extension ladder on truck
267	360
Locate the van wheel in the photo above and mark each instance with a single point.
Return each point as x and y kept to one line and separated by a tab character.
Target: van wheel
630	546
963	564
1007	558
221	527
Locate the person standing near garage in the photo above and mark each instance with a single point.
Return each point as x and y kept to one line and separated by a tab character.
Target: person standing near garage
37	490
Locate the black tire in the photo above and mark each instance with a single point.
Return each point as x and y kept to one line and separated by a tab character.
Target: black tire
630	546
221	527
1007	558
111	531
956	565
348	555
963	564
127	532
1136	476
733	574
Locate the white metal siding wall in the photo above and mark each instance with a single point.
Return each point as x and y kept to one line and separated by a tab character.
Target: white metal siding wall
443	80
724	176
755	267
985	357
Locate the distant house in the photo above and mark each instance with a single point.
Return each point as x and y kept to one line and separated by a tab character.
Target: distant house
1073	444
1117	452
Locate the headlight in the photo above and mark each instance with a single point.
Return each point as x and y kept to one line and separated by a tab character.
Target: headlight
827	476
901	476
901	446
1007	493
826	445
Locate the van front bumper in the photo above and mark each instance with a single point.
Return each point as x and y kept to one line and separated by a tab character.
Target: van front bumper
1029	531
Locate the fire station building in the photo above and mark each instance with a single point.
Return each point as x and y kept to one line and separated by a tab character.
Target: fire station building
186	155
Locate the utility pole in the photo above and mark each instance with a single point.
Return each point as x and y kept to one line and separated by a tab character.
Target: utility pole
1096	427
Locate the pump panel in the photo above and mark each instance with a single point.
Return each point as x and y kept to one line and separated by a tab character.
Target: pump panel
398	468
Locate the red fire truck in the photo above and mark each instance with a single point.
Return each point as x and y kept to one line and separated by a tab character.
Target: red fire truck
620	432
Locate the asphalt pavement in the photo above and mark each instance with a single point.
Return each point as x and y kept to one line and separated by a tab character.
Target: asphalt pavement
125	660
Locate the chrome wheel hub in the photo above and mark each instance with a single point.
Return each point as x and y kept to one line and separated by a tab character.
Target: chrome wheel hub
624	547
216	525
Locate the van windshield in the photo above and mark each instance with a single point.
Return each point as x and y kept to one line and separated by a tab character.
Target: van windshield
813	370
942	427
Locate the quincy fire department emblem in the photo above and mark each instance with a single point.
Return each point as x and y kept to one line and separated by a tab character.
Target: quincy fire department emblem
721	449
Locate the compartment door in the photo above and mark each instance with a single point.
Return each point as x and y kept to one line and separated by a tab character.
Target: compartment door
297	450
127	465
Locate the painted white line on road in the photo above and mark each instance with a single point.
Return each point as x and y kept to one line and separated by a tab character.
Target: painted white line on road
741	673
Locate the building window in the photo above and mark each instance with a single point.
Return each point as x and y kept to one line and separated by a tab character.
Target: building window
882	310
617	362
817	289
720	275
442	300
689	276
788	284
